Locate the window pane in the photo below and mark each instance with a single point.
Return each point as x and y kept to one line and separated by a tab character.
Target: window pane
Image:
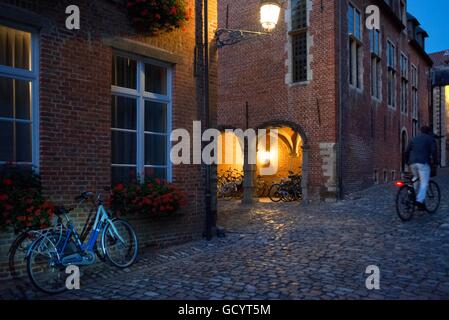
23	99
124	72
23	142
7	141
155	150
15	99
123	113
376	42
299	14
15	48
351	19
160	173
357	24
155	117
123	147
155	79
15	141
122	174
299	43
351	62
6	98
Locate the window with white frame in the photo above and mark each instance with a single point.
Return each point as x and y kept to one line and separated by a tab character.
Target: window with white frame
391	75
355	46
298	35
415	101
404	83
18	96
376	47
141	118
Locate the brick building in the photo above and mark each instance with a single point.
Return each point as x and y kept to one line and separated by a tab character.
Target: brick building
62	83
440	101
350	98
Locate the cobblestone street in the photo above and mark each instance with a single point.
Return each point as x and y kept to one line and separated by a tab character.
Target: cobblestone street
282	251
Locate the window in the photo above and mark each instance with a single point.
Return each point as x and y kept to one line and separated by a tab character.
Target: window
415	100
376	80
18	96
140	123
376	176
299	40
403	12
355	47
391	75
404	83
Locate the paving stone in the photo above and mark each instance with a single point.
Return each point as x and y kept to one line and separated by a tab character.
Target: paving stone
287	251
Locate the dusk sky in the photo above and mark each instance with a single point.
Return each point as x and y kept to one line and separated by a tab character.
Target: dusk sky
434	18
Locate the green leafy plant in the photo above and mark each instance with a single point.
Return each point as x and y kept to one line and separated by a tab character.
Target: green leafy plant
153	197
22	204
154	16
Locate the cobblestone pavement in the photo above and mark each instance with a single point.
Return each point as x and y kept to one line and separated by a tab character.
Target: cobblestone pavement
283	251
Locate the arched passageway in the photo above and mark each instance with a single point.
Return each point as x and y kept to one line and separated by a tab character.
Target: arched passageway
288	156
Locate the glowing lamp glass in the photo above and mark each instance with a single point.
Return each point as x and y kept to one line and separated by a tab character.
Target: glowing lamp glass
399	184
264	157
269	15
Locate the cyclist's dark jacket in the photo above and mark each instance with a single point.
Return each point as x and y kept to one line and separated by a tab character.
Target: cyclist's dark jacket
422	149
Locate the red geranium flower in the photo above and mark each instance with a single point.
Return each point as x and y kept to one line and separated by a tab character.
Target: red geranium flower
157	16
3	197
7	182
173	11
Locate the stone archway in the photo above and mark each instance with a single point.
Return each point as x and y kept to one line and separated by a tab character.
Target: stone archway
298	144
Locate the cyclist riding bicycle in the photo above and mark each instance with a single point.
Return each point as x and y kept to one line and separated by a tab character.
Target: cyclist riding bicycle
420	155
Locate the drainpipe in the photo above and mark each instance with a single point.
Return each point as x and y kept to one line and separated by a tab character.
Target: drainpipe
208	193
340	102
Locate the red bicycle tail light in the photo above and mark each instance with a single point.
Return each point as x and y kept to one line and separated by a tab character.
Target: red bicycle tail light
399	184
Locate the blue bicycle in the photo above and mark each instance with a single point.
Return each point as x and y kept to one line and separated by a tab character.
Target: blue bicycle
50	255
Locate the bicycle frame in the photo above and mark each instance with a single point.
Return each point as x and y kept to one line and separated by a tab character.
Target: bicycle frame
101	220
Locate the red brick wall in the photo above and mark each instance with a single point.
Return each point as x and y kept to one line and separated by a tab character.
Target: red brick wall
75	104
255	71
363	152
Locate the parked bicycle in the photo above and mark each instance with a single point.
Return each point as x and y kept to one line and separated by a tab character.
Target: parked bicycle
50	254
406	197
262	188
288	190
230	185
19	247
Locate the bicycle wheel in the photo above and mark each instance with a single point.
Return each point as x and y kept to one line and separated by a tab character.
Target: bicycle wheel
228	191
260	190
17	253
43	268
275	193
405	203
119	243
433	197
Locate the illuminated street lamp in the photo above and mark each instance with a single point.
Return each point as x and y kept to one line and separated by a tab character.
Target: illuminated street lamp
269	16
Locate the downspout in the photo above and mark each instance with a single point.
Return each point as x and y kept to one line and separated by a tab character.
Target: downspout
340	103
208	194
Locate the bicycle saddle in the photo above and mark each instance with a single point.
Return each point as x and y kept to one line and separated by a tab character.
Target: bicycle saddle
84	196
61	210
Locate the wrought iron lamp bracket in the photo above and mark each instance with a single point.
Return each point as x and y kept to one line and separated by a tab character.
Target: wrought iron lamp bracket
227	37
